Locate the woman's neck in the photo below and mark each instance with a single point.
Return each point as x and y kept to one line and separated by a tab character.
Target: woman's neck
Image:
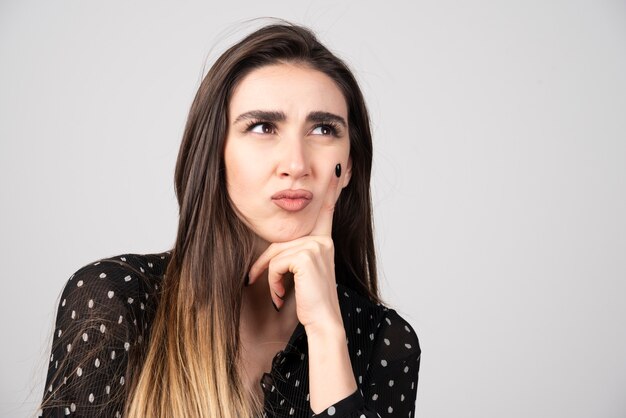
258	316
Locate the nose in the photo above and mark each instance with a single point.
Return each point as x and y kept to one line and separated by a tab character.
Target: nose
292	158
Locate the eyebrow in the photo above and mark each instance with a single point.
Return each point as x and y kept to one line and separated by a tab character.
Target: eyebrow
278	116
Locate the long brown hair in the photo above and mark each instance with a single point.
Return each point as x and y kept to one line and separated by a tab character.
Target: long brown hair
189	369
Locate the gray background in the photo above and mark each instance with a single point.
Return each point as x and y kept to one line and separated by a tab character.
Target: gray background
499	178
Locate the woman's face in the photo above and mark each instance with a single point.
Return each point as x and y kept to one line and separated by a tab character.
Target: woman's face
287	130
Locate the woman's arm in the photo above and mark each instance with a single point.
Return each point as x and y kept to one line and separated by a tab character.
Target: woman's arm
330	371
390	385
94	332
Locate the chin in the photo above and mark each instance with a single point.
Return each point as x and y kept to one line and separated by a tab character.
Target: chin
285	233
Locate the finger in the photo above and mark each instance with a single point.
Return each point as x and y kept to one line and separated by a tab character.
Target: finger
324	223
279	267
262	262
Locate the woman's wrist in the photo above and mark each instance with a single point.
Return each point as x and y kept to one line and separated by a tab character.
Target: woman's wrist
330	370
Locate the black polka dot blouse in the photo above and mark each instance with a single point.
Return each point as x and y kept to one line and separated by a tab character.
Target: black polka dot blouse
105	312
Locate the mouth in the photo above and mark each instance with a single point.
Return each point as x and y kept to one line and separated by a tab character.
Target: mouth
292	200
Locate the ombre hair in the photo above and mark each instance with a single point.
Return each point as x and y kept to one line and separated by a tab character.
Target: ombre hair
189	366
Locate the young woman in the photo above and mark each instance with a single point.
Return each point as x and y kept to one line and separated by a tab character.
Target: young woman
268	303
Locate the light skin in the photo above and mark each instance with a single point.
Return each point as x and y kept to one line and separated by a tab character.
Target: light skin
288	129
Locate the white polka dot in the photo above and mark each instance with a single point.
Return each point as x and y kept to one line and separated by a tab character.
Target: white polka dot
113	355
122	381
372	337
291	411
110	294
91	398
80	283
73	314
79	371
97	362
383	362
67	411
391	383
331	410
103	275
102	328
123	258
85	336
358	353
406	369
407	345
63	303
126	346
297	383
90	304
119	321
358	310
59	333
107	389
150	265
401	397
407	329
73	407
127	279
131	300
375	396
386	341
390	410
69	348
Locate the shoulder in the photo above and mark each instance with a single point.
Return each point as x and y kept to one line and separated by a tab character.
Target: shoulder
377	321
113	286
124	272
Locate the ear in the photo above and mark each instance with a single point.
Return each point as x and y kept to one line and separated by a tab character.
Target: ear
348	175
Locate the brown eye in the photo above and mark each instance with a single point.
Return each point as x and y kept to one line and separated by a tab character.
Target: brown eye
262	128
323	130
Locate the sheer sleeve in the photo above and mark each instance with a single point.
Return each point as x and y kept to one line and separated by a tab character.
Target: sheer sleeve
390	385
95	329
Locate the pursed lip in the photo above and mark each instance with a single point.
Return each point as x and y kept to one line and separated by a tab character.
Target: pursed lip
292	200
293	194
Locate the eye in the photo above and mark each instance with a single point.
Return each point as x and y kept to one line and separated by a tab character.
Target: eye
261	128
324	129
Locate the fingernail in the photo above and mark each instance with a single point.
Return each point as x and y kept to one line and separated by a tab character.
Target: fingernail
281	297
275	307
338	170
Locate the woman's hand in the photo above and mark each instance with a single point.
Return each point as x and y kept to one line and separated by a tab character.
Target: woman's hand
311	260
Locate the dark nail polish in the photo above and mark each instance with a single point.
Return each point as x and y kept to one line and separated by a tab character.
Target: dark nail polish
338	170
281	297
275	307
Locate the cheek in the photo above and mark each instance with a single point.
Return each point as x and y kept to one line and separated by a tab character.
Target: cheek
242	175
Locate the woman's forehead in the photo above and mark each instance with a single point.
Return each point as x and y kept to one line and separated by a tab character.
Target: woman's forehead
290	88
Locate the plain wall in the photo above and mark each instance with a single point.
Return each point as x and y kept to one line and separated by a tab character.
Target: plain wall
499	177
